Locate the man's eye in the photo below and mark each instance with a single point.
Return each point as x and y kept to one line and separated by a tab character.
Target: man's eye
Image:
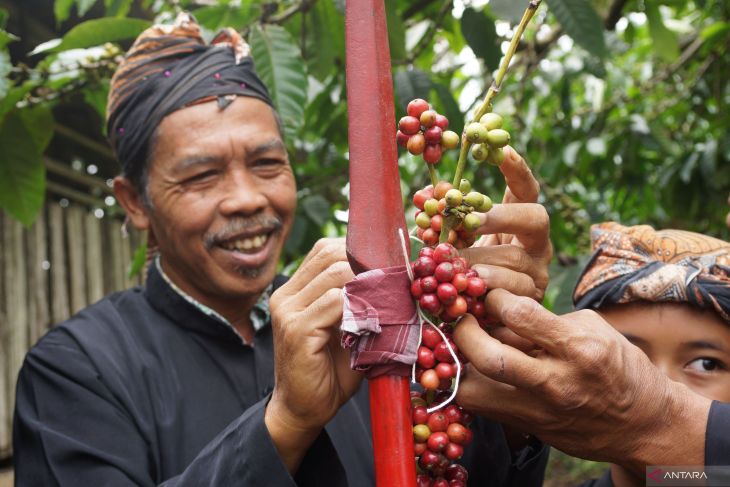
705	364
268	162
201	176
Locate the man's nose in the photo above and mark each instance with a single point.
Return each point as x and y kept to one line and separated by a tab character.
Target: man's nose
242	194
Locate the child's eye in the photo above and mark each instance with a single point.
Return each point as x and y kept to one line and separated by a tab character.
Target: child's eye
705	364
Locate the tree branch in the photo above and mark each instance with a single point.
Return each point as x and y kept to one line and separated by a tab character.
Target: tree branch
427	36
614	14
302	6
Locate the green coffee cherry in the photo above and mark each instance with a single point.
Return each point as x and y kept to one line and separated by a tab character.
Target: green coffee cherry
450	140
495	157
486	204
431	207
453	198
471	222
423	220
491	121
476	133
498	138
464	186
474	199
480	152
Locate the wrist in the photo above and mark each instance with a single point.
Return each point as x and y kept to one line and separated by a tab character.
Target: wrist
676	434
291	437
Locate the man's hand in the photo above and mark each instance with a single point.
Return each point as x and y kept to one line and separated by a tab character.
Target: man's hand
313	375
588	391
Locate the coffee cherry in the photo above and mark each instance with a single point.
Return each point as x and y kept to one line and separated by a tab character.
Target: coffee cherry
458	433
475	287
441	352
442	205
416	290
452	411
433	135
423	220
429	284
402	139
498	138
460	264
431	206
430	302
436	222
480	152
444	253
456	472
430	237
486	204
450	140
419	415
419	198
418	449
422	480
440	482
458	307
416	107
464	186
444	370
425	357
430	382
496	157
417	401
428	460
437	441
428	118
476	133
425	266
446	293
444	272
478	309
442	122
491	121
474	199
452	451
430	337
453	198
438	421
416	144
471	222
459	281
409	125
466	417
421	433
432	153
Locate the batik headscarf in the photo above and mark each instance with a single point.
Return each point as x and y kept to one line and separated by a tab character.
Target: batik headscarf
640	264
168	68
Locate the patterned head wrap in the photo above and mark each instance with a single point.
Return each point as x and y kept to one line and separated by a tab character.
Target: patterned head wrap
168	68
641	264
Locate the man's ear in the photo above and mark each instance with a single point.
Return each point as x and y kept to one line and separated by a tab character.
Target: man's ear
132	202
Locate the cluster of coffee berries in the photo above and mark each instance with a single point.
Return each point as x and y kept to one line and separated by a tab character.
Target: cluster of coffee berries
488	138
444	286
434	204
423	132
440	438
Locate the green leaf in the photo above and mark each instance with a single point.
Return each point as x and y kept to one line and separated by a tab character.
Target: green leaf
138	261
326	46
96	97
117	8
509	10
279	64
6	66
450	107
22	172
665	41
216	17
98	31
39	123
582	23
13	96
61	9
317	209
3	18
83	6
396	32
6	38
481	35
410	84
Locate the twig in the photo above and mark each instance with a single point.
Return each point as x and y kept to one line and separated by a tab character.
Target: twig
282	17
428	36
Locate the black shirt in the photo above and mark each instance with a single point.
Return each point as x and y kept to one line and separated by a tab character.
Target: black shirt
143	388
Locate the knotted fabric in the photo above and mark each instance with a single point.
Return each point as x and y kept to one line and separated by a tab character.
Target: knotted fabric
380	322
168	68
641	264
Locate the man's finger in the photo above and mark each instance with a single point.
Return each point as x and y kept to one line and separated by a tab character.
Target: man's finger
514	282
522	187
528	221
325	253
494	359
527	318
508	337
335	276
509	256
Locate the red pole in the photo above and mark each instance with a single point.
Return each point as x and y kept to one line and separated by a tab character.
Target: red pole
376	213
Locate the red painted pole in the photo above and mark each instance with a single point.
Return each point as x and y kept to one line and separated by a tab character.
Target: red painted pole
376	214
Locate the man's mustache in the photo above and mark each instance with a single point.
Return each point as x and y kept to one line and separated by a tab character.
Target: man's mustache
240	225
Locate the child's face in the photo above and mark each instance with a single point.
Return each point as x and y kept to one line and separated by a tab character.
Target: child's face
688	345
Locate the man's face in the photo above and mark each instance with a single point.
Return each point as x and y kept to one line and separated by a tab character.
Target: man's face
222	197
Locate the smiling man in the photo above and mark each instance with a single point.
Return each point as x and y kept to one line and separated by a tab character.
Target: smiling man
218	372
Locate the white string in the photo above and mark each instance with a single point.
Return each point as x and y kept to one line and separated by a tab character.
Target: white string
422	317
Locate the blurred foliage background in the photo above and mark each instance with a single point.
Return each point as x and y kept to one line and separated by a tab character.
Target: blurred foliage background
619	106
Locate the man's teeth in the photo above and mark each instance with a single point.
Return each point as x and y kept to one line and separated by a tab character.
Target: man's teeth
247	244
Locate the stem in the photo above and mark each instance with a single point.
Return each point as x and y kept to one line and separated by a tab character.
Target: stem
487	103
432	173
